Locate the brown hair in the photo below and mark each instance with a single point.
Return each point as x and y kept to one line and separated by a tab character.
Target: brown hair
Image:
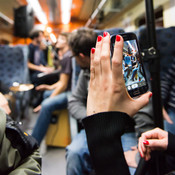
82	40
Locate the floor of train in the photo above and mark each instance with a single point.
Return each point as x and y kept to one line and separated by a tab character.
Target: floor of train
53	158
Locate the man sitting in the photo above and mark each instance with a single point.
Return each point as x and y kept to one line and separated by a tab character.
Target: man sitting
55	96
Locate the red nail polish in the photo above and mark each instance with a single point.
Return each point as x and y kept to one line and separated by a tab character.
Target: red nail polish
146	142
93	50
99	38
141	155
150	95
105	34
117	38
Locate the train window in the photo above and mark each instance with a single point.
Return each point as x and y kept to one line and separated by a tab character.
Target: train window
158	18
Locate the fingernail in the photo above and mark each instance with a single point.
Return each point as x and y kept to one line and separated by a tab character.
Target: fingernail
141	155
99	38
117	38
150	95
93	50
146	142
105	34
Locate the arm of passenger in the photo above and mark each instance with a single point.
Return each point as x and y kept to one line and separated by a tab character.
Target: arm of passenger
167	81
61	85
104	132
30	165
34	67
77	101
40	68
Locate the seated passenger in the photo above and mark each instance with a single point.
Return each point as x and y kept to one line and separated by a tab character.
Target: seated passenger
110	109
19	154
37	62
77	155
168	98
55	95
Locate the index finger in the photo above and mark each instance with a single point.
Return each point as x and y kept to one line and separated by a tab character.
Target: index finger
117	59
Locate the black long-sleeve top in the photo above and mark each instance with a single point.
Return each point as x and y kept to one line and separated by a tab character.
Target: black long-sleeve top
103	131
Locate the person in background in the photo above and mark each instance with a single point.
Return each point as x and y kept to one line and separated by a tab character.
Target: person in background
19	151
36	60
168	98
55	95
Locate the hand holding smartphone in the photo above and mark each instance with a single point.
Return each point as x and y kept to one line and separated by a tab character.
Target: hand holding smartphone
133	71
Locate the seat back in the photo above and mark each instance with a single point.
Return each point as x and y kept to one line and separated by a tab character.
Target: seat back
13	65
165	45
75	74
13	68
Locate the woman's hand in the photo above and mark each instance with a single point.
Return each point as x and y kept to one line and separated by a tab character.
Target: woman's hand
107	91
156	139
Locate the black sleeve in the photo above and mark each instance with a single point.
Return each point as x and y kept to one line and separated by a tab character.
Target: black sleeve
31	53
103	131
171	144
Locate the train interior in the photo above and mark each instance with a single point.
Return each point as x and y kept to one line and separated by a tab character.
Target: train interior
18	18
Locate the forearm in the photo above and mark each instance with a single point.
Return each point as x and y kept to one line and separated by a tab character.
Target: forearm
34	67
54	86
60	87
103	132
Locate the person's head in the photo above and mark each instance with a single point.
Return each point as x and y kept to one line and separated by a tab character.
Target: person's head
81	41
62	40
37	36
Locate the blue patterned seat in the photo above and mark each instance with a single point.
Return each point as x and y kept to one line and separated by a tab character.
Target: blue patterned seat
13	68
165	45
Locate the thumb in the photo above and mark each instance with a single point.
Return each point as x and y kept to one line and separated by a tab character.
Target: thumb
143	100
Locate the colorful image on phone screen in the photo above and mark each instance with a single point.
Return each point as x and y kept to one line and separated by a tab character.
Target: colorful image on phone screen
132	69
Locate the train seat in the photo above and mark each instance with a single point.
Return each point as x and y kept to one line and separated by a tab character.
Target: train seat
13	68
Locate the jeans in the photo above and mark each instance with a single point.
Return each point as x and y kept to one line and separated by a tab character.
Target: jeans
129	140
78	157
48	106
167	126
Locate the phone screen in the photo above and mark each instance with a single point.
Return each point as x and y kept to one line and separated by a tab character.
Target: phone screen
132	67
134	76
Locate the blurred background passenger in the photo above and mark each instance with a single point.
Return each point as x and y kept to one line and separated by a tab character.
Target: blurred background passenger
37	62
19	151
55	95
168	98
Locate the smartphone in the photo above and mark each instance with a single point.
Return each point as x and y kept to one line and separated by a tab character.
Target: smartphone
133	71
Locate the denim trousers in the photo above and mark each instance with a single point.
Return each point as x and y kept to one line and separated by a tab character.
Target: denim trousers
167	126
78	157
48	106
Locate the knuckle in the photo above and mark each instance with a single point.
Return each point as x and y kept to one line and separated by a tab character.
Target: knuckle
116	62
103	56
96	62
